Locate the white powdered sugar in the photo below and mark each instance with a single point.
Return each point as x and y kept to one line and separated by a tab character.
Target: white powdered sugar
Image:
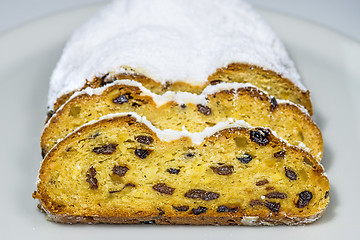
177	40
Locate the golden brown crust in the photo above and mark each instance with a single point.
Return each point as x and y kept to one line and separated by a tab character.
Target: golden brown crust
267	80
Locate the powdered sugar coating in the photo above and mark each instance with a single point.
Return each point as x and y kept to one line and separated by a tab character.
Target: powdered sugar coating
178	40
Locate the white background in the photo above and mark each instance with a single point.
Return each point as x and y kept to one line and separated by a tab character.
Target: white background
341	15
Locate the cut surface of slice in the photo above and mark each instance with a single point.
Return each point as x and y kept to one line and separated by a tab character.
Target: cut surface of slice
121	169
182	110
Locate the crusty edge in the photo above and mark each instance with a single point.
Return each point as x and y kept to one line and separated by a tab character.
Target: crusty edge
131	74
183	220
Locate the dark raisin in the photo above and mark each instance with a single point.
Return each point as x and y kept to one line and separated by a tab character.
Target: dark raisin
90	178
148	222
276	195
116	191
215	82
142	153
144	139
273	206
273	104
121	99
223	170
105	149
120	170
181	208
195	193
290	174
43	153
304	199
326	194
104	80
256	202
161	212
210	196
50	113
280	154
202	194
262	182
204	109
163	188
94	135
183	105
224	208
199	210
136	105
129	185
260	136
173	170
246	158
189	155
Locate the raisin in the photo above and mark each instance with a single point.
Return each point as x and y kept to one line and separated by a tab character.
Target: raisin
304	199
273	206
142	153
129	185
269	188
204	109
173	170
90	175
163	188
224	208
181	208
199	210
183	105
246	158
43	153
223	170
260	136
326	194
256	202
105	149
144	139
50	113
276	195
202	194
280	154
105	80
189	155
136	105
262	182
161	212
215	82
290	174
121	99
195	193
116	191
120	170
210	196
273	104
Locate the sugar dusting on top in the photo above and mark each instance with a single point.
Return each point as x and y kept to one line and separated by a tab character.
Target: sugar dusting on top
177	40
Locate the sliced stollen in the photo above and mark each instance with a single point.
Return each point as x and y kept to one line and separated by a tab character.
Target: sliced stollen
186	111
178	45
122	169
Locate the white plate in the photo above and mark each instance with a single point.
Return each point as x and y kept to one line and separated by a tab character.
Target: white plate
328	62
